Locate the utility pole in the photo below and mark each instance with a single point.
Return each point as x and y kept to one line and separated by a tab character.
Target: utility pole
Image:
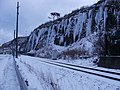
17	30
14	35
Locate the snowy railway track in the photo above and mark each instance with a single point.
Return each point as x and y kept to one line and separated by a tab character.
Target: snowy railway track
90	68
102	73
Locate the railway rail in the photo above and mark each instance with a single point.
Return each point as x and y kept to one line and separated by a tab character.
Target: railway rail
90	68
102	73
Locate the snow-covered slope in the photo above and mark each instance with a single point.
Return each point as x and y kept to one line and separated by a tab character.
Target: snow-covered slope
10	46
79	26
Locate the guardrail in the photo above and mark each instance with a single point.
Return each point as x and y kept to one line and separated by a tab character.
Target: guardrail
20	79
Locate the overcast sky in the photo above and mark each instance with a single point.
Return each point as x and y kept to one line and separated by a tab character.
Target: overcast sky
32	14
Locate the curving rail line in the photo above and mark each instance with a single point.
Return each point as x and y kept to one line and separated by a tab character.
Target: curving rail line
110	72
86	70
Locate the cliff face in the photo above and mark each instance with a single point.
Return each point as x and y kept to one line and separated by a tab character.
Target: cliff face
87	22
96	20
87	31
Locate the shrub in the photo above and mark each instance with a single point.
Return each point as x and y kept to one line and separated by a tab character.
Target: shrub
73	54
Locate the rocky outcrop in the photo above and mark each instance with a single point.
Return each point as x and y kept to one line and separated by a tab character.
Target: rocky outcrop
10	46
101	18
89	31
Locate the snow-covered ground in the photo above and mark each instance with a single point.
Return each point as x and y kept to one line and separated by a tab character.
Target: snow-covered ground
8	78
44	76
